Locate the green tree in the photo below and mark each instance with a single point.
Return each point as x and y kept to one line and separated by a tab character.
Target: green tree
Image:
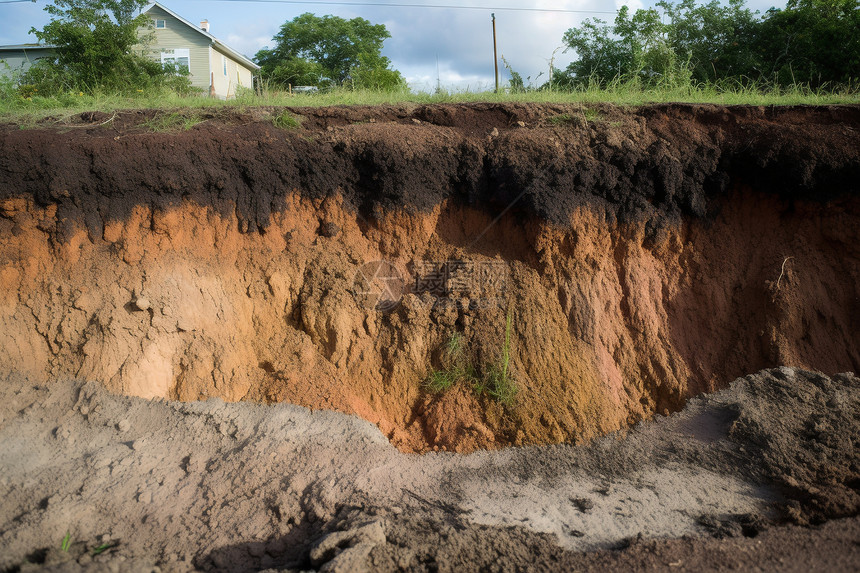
601	54
812	41
328	50
634	47
717	39
373	72
95	43
290	70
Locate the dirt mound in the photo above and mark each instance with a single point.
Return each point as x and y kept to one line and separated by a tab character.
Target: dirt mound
239	487
631	258
813	451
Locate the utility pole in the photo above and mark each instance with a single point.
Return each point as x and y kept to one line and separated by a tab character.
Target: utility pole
438	78
495	53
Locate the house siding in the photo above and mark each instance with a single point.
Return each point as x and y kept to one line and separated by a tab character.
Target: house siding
23	58
237	75
204	54
177	35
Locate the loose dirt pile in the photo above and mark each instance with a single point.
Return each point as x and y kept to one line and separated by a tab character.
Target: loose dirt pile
246	487
643	257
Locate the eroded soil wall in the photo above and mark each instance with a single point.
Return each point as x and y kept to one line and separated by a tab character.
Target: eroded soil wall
643	258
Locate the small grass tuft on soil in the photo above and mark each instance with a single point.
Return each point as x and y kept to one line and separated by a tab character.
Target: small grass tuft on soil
173	121
494	380
578	119
457	366
286	120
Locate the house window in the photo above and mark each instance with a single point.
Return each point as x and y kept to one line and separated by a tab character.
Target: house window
224	64
179	57
161	24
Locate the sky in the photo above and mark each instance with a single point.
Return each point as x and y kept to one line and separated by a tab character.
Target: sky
454	46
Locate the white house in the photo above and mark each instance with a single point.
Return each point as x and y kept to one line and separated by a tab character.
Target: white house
212	65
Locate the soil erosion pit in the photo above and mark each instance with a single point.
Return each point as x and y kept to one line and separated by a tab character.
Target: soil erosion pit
565	276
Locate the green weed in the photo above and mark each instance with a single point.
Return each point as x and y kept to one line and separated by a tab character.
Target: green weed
440	380
497	380
104	547
494	379
578	118
592	115
67	542
561	119
173	121
286	120
500	384
457	366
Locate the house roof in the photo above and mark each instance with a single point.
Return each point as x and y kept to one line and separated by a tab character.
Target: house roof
26	47
218	44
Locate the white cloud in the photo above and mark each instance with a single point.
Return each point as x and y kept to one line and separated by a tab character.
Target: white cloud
632	4
247	44
425	79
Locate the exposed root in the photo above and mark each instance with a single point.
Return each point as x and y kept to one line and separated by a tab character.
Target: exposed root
782	271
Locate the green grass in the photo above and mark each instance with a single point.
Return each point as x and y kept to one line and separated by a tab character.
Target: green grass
501	384
66	545
67	542
457	366
173	121
563	119
23	110
286	120
494	379
579	118
497	381
104	547
441	380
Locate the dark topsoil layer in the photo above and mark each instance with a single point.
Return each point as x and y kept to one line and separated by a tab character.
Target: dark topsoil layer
654	162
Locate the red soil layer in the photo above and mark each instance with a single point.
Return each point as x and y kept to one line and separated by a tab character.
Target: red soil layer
637	272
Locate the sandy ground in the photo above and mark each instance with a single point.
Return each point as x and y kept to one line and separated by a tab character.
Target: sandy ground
243	487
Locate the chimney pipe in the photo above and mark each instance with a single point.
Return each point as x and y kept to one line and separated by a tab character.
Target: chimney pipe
204	25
